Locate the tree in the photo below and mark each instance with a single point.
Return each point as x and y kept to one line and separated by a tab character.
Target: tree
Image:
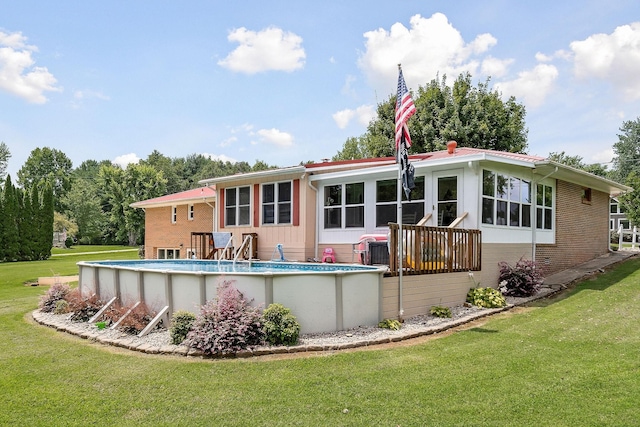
10	242
5	154
473	116
47	165
577	163
123	187
84	208
626	167
627	150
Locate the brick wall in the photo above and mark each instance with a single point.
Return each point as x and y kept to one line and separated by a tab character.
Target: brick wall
161	233
582	229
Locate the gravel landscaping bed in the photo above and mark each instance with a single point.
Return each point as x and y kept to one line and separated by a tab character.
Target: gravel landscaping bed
158	342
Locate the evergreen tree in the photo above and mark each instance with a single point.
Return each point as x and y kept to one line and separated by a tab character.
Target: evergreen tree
10	222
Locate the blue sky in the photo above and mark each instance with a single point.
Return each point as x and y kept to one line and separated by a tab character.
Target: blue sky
285	82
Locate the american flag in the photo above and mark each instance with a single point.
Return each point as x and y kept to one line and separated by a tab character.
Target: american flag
405	108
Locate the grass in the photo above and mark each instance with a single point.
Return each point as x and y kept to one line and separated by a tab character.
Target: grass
573	360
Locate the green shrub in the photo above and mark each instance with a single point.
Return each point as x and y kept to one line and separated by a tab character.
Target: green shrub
62	306
440	311
486	298
181	322
280	327
57	292
392	324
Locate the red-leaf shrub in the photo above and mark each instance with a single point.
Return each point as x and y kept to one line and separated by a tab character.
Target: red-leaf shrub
83	308
522	280
227	324
57	292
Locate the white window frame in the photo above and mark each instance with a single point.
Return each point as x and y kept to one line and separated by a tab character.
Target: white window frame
190	212
508	199
163	253
342	206
237	207
276	203
174	214
393	204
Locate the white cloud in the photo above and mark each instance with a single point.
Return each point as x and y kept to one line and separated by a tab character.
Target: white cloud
612	57
275	137
364	114
495	67
431	46
18	73
268	49
126	159
531	87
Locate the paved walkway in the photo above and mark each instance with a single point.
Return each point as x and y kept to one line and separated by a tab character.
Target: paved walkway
564	278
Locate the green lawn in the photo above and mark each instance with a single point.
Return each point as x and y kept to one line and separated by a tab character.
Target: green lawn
571	361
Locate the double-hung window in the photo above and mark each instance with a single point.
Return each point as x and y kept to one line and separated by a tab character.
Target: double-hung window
276	203
387	202
237	206
344	205
174	214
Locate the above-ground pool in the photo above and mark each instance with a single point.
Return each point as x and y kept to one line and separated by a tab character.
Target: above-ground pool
323	297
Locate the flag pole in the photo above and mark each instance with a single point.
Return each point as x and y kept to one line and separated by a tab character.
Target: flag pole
400	242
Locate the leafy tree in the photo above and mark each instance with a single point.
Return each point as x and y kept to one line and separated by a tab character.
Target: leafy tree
626	167
631	200
576	162
47	165
123	187
84	209
63	223
5	154
627	150
473	116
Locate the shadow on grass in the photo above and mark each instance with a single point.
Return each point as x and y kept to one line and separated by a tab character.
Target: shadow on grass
599	281
483	330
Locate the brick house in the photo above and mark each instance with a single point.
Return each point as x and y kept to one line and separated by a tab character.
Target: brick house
524	206
170	220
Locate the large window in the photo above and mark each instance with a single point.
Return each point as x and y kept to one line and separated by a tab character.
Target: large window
544	207
237	206
276	203
387	202
506	200
344	204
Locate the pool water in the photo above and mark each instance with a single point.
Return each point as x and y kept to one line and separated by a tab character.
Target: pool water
237	267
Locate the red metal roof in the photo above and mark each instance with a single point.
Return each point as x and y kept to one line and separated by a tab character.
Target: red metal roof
182	197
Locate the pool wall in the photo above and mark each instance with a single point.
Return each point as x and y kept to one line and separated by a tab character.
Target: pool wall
322	301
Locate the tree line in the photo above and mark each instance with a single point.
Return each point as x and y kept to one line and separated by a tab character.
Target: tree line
92	200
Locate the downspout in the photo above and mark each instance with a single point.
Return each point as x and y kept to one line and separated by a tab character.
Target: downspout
534	211
213	210
317	232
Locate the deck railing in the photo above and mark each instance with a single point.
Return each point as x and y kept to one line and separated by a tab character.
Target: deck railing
428	250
